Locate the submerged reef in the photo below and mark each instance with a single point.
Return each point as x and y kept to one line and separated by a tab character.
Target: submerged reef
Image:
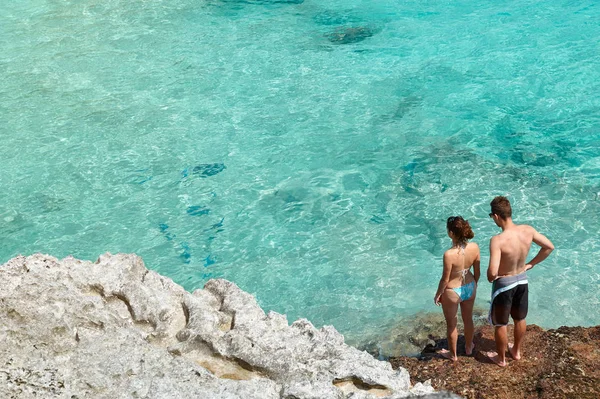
408	336
350	34
204	170
113	328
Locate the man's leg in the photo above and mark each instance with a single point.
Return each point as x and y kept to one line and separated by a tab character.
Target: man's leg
520	327
518	312
501	339
499	317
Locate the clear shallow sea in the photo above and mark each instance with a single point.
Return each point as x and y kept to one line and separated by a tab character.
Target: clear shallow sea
308	151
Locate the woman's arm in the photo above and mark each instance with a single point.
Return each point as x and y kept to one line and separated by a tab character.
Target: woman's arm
443	281
476	266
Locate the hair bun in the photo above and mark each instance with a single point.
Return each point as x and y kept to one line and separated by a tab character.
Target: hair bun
460	228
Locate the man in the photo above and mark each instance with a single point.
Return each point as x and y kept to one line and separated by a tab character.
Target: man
507	273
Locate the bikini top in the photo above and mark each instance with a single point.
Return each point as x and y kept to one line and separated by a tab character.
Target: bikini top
464	271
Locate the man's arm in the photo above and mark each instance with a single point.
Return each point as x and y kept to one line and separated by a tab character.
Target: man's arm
476	268
546	248
495	253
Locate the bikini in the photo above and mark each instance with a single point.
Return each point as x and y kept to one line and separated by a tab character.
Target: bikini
465	291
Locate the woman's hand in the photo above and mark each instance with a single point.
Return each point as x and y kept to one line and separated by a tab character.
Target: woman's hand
437	299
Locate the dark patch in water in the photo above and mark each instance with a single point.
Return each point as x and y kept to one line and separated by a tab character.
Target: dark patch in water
185	255
197	210
209	260
204	170
505	132
409	177
48	203
217	227
164	228
143	176
350	35
377	219
533	159
406	105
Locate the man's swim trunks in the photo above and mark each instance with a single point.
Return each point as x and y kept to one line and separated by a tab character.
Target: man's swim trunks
509	297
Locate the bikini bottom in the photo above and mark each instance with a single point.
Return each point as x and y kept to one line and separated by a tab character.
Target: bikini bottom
465	292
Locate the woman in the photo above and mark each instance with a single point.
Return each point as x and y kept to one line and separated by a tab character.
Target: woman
458	285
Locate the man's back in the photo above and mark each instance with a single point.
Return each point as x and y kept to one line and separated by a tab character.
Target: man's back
514	244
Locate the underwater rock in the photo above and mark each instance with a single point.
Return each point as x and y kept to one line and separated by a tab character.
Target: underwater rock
184	248
350	35
532	158
411	335
185	255
204	170
197	210
406	105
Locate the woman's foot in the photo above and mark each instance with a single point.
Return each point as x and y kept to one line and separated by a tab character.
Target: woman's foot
446	353
469	349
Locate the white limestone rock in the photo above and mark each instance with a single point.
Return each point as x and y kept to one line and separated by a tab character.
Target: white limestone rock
113	329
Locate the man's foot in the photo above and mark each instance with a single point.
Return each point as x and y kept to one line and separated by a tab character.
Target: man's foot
446	353
514	354
469	351
493	356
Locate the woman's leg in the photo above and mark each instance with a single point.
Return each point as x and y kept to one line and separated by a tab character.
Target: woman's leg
450	302
466	312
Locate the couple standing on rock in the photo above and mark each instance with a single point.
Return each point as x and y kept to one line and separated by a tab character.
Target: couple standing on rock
507	273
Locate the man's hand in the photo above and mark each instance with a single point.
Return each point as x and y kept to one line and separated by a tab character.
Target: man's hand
528	266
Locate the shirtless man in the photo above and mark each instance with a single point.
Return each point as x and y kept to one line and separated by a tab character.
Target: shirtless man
507	273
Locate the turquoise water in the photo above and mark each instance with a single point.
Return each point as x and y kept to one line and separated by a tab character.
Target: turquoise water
308	151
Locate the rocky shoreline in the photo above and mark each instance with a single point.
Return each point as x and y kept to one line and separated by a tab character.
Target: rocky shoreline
114	329
562	363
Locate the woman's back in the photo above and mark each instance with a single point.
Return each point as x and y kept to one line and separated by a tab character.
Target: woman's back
461	258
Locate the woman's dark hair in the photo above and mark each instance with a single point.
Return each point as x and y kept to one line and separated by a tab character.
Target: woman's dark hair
460	228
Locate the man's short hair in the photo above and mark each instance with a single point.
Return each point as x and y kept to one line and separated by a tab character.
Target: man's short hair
501	207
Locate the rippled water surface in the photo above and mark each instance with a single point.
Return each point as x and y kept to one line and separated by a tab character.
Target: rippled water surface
308	151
